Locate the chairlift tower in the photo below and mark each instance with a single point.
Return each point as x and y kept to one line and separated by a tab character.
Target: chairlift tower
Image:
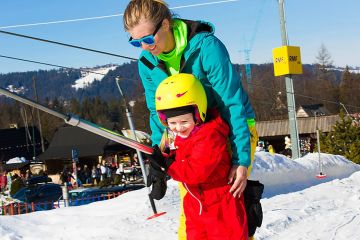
294	133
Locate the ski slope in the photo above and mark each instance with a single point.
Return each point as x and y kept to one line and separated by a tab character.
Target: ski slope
88	78
296	206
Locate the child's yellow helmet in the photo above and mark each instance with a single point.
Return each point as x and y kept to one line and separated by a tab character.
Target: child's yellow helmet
181	90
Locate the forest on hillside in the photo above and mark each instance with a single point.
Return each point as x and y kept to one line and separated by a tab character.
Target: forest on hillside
320	83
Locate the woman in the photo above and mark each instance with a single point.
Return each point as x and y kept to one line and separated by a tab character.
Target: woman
182	46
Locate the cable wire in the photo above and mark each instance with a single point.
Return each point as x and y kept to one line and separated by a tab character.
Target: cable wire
107	16
49	64
66	45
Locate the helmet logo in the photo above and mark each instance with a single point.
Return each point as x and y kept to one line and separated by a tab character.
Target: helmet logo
180	94
158	98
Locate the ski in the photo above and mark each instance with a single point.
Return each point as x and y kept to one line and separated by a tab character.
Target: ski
81	123
96	129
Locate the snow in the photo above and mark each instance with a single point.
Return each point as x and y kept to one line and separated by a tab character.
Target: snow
296	205
16	160
17	90
89	77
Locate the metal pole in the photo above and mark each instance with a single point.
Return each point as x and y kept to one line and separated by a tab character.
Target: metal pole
347	113
38	116
132	128
318	144
294	134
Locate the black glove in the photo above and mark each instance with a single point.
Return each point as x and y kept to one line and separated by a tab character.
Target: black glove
157	179
157	173
158	161
252	196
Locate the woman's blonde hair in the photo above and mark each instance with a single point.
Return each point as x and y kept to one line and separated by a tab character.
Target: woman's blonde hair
152	10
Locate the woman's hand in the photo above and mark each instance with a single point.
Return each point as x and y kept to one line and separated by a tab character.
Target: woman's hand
240	175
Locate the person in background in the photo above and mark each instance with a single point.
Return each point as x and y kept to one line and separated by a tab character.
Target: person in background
135	160
95	174
98	176
271	149
16	184
3	182
119	174
103	170
260	147
9	181
28	175
66	177
87	174
80	176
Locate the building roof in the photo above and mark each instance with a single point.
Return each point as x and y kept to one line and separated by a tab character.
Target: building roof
305	126
86	143
16	142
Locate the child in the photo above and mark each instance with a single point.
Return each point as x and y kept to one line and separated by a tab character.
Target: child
201	160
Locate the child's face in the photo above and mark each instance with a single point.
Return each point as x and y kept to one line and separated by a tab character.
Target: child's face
182	125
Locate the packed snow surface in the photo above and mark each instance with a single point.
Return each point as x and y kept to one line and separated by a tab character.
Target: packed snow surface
296	205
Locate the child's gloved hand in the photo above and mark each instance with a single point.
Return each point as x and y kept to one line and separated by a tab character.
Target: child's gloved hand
160	161
157	160
157	173
157	179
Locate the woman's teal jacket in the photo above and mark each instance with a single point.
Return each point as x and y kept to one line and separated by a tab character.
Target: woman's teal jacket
206	57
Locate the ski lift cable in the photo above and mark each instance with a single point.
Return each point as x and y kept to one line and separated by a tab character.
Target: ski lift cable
67	45
51	65
258	85
107	16
99	51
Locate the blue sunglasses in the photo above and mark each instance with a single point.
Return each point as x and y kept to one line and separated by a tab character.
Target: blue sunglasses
148	40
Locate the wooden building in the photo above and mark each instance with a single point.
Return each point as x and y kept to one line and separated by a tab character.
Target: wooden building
275	131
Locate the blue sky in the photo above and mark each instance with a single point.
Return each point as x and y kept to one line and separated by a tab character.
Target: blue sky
310	23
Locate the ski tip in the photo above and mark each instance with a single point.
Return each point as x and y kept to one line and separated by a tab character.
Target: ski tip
321	176
156	215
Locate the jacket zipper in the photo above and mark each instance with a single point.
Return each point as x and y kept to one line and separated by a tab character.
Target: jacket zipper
194	197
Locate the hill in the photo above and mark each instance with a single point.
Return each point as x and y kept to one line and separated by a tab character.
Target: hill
317	84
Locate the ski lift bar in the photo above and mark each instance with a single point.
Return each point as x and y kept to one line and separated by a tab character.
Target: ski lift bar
86	125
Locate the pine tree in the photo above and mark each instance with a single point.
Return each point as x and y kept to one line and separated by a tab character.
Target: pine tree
343	140
326	87
349	89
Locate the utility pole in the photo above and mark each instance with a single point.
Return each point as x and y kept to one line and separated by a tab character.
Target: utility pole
294	134
38	116
321	171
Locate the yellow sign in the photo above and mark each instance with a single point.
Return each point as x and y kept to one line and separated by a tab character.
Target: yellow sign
287	60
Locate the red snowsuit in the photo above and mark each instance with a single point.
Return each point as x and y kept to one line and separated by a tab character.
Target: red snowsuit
202	163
